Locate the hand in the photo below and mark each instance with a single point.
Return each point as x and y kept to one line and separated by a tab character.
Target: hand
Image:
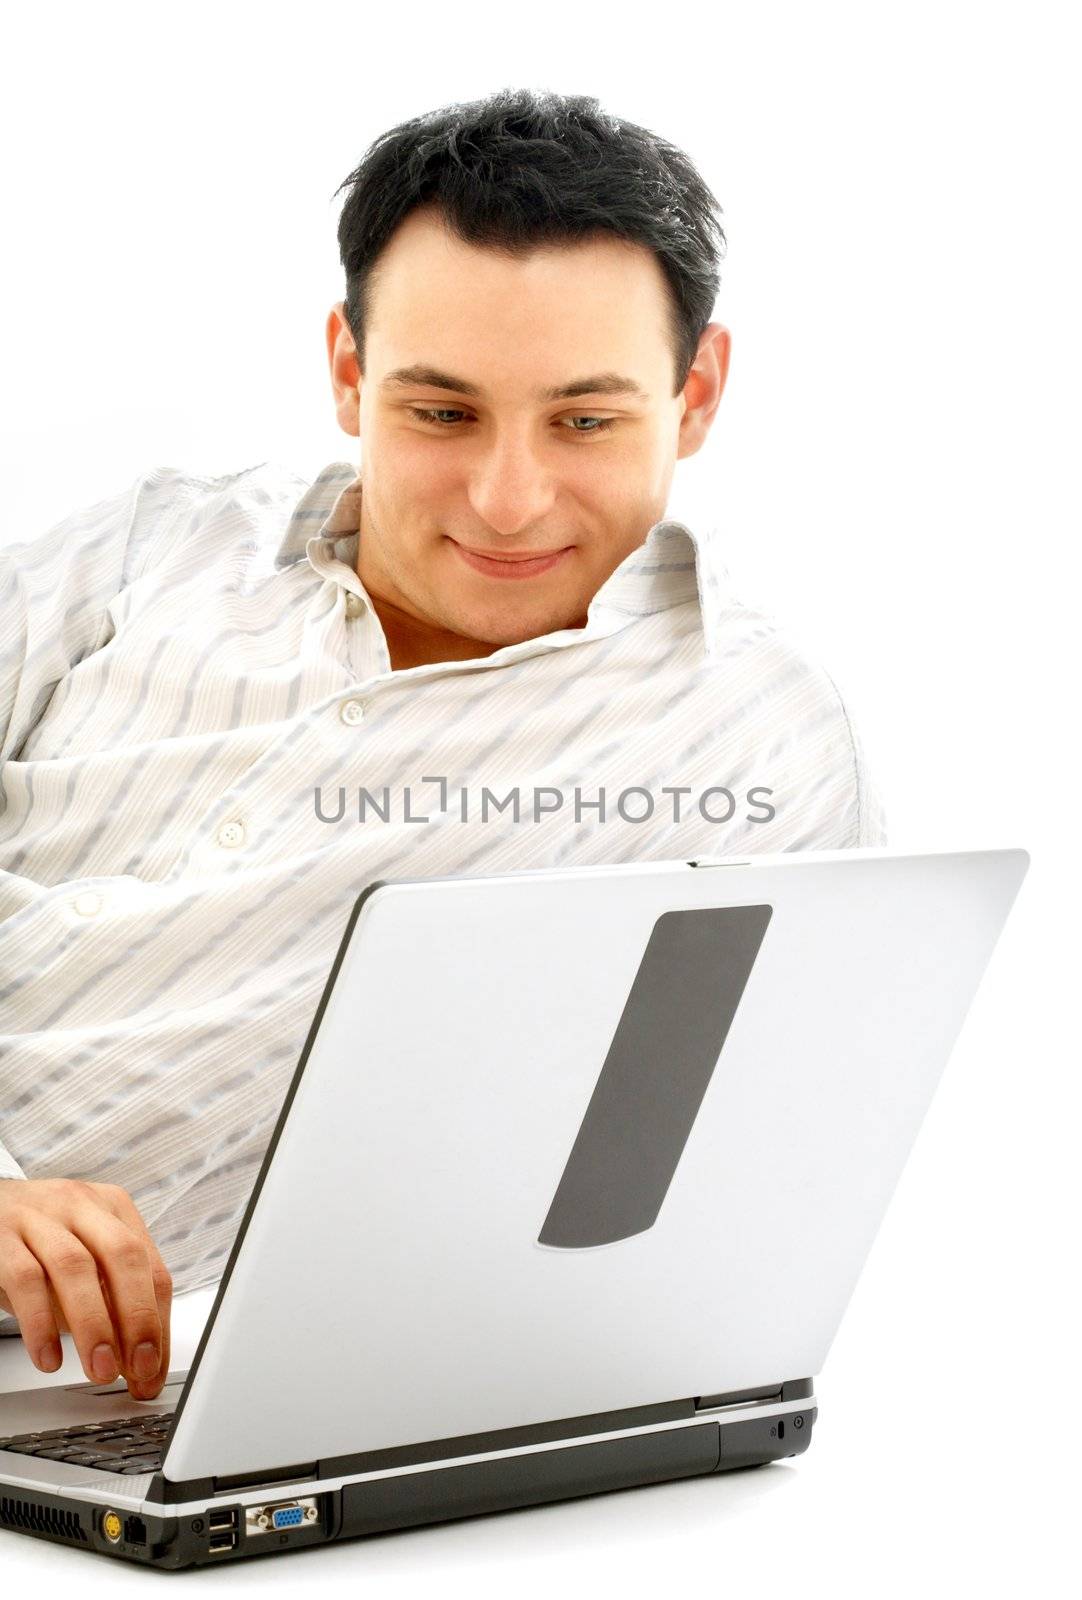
76	1258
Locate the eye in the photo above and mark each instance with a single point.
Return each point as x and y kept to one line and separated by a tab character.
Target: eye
600	423
437	417
435	414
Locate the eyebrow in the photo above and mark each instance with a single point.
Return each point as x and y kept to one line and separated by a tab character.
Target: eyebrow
598	383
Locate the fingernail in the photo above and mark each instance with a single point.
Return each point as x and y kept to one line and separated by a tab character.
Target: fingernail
103	1363
49	1356
145	1361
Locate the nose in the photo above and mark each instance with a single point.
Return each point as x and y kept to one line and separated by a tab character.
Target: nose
510	488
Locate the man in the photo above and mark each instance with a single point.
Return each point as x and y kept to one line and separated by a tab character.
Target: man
226	705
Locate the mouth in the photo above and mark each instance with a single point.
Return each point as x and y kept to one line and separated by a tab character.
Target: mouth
511	564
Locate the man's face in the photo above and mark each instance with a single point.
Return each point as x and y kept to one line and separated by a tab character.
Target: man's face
493	507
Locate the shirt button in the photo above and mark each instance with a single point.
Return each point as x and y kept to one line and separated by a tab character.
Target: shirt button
87	904
352	712
230	835
354	605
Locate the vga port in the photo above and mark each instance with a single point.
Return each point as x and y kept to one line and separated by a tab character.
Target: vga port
282	1515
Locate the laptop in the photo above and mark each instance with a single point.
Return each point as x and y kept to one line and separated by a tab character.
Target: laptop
572	1184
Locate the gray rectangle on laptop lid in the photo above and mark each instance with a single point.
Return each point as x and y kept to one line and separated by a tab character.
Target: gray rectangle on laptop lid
692	975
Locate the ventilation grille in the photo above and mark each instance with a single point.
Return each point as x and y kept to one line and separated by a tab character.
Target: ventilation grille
41	1519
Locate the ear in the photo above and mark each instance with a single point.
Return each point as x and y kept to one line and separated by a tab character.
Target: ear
702	391
345	374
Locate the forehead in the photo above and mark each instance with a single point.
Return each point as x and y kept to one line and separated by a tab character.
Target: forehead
600	303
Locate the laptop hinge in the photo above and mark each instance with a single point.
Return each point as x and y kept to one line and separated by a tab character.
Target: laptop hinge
793	1389
299	1474
737	1397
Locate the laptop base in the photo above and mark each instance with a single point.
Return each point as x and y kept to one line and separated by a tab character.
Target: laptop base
230	1531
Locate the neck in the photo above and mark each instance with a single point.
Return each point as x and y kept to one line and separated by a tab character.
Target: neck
411	643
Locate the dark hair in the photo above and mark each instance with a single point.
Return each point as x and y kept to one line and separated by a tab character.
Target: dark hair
523	168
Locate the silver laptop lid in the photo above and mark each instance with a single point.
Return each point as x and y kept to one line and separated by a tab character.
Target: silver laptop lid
565	1142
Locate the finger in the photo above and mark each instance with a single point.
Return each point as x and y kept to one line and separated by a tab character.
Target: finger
58	1310
122	1205
26	1296
141	1388
123	1261
73	1274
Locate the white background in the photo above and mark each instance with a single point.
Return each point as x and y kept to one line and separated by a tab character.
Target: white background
893	473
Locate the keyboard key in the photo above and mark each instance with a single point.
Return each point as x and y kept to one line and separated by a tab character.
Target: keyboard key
110	1445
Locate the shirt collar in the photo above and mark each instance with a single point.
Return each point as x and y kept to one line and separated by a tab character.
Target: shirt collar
672	566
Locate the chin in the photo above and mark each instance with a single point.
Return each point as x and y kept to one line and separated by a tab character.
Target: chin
502	632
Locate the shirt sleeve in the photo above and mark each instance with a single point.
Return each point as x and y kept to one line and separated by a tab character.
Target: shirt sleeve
55	595
871	818
55	591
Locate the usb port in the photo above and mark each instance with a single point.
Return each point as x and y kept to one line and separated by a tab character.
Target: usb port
223	1521
222	1542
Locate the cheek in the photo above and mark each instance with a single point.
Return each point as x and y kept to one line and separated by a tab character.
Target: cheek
425	477
617	501
399	453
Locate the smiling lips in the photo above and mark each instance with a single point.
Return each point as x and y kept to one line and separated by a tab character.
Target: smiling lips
509	564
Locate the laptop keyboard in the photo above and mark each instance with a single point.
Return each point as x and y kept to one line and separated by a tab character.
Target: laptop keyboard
126	1444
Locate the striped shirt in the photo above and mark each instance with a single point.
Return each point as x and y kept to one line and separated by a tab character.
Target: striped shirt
205	756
